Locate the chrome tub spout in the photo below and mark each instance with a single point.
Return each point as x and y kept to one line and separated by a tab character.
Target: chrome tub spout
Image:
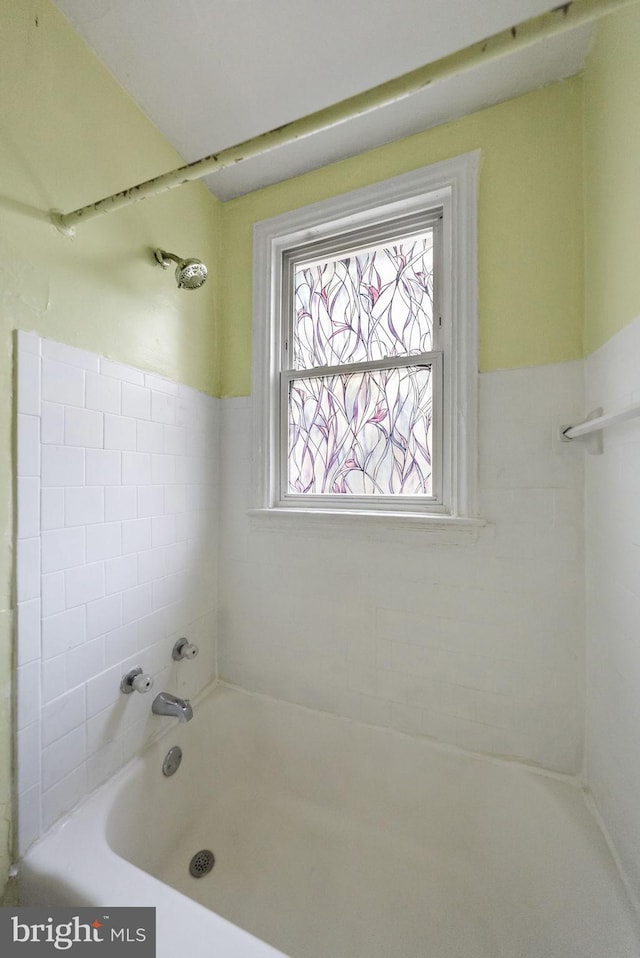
167	704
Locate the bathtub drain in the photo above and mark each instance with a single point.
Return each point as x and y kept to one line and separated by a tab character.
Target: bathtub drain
201	863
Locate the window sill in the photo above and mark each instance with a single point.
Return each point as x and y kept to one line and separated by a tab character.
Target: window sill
448	530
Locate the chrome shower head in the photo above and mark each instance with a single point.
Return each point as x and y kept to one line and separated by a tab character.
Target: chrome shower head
190	273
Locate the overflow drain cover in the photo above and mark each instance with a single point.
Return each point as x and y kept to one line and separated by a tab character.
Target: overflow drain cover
172	761
201	863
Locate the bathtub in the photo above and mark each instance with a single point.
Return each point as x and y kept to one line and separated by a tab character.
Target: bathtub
332	839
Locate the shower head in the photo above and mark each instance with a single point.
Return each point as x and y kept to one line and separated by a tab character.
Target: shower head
190	273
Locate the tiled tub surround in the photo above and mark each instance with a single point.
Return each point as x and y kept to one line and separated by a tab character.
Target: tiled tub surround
477	643
612	761
116	558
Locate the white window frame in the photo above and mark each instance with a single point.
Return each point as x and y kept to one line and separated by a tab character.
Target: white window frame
449	186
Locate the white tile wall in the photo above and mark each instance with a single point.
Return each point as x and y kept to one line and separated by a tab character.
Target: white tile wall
111	566
612	380
478	644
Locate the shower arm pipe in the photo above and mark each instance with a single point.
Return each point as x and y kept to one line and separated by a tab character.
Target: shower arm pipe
558	20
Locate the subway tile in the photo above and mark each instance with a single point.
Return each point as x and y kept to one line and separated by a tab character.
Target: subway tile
53	597
83	427
85	662
62	549
69	355
84	584
102	393
177	557
104	467
175	499
28	503
161	384
104	541
186	470
83	506
104	616
119	433
104	690
163	469
63	631
136	469
104	763
62	383
62	757
136	535
52	511
121	644
150	437
27	342
28	569
152	564
28	629
175	441
54	678
163	531
63	796
121	502
163	407
29	814
28	436
28	392
152	629
62	715
100	729
136	401
52	424
81	640
63	466
150	501
28	753
28	694
123	373
137	603
121	573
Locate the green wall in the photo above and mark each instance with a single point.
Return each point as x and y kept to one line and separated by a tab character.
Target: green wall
612	178
530	227
69	135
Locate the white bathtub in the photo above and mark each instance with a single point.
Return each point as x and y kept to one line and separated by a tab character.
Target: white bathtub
335	840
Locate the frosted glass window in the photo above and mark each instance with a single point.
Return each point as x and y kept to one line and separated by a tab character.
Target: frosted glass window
367	306
362	434
365	352
365	428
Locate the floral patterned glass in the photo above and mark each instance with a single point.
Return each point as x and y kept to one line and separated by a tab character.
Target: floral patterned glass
361	433
374	304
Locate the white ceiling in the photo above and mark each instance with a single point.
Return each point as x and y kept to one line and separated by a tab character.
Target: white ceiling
213	73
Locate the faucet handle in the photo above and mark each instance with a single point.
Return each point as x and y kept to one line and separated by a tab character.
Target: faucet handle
136	681
183	649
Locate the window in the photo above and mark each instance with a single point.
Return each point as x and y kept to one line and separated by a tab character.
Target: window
365	349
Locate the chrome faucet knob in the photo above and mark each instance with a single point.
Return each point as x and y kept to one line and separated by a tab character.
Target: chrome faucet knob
183	649
136	681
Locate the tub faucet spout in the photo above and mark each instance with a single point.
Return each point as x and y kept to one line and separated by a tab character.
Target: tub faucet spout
167	704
